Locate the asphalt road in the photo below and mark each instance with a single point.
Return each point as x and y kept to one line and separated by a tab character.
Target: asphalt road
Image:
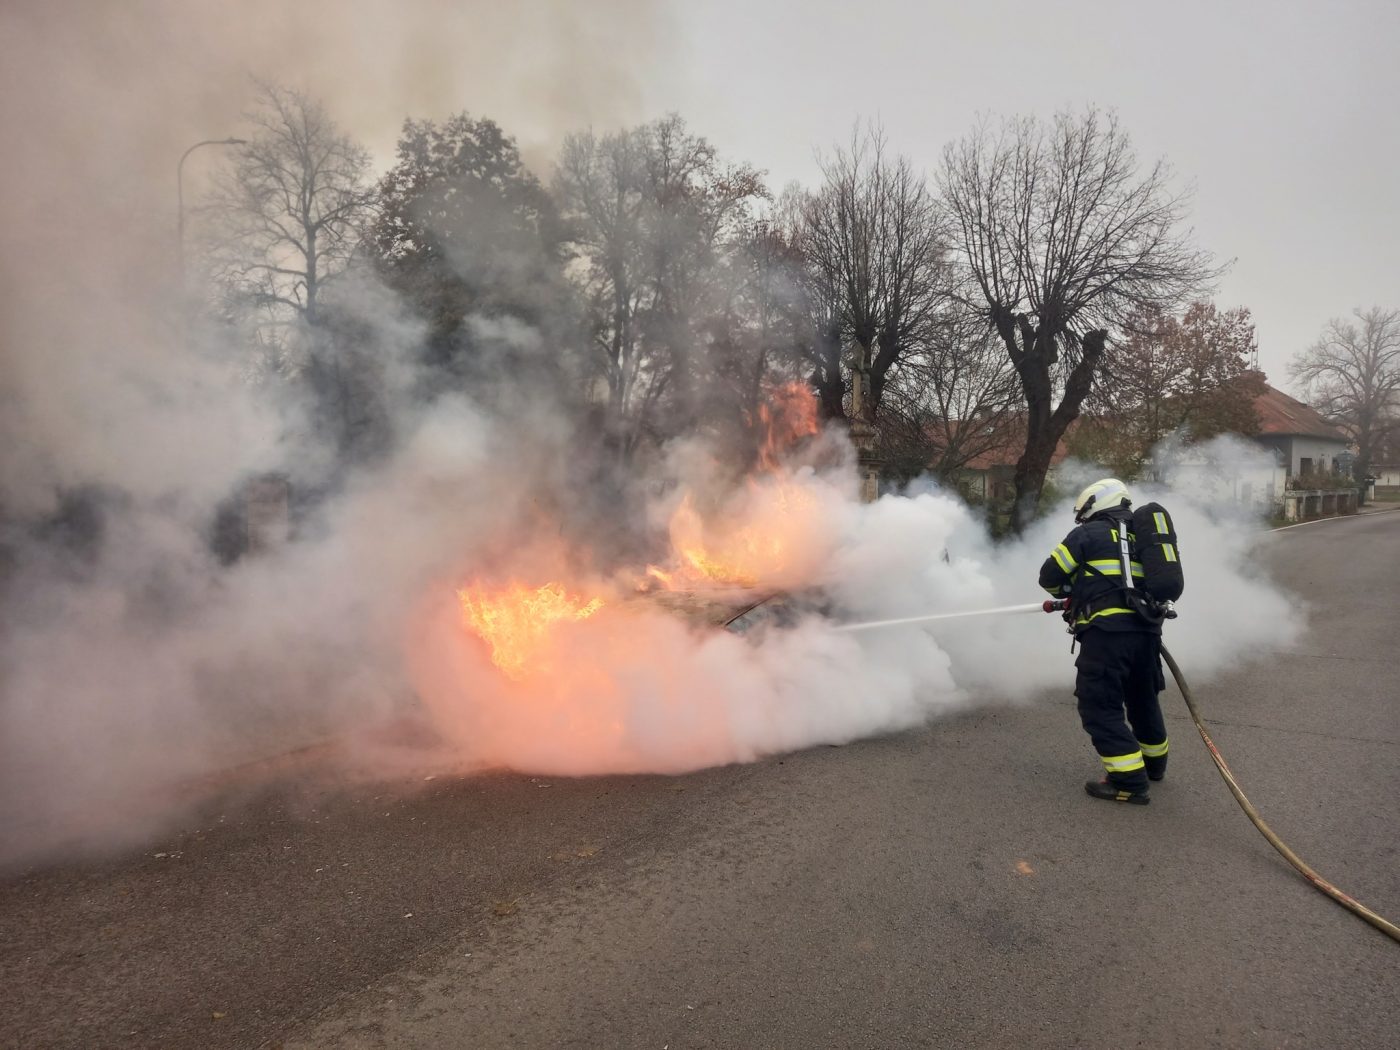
899	892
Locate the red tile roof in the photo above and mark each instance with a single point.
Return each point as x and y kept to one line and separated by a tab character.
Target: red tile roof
1281	414
1011	443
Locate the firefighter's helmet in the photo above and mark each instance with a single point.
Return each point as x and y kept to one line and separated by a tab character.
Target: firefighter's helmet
1102	495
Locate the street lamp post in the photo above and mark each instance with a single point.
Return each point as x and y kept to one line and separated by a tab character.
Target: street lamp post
180	195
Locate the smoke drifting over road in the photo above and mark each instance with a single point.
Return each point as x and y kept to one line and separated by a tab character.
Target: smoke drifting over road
132	659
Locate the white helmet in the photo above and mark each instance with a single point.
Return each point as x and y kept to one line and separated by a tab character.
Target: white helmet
1102	495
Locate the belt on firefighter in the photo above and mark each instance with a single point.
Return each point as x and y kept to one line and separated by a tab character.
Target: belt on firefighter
1108	605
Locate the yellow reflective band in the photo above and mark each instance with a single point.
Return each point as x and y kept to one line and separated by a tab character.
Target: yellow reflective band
1111	567
1123	763
1102	612
1064	558
1155	750
1170	551
1161	521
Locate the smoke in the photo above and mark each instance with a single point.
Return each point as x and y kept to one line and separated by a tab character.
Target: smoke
149	662
129	655
636	689
132	659
98	101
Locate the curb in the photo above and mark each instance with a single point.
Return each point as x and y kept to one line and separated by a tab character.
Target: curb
1336	517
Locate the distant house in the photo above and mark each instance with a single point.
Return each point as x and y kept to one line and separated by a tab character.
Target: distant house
1303	444
1307	445
1254	482
989	478
1385	465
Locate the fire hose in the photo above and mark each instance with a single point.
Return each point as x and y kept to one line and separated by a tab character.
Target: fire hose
1318	882
1347	901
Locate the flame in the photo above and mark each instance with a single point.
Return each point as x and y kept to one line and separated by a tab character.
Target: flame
517	620
666	579
742	554
759	534
788	415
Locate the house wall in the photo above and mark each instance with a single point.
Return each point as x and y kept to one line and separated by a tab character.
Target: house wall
1258	488
973	483
1296	448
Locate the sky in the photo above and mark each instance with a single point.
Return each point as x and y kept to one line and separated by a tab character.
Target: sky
1281	114
1285	116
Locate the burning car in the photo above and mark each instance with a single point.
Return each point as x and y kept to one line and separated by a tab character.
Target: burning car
535	672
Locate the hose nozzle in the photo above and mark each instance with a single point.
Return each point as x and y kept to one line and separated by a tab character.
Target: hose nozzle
1051	605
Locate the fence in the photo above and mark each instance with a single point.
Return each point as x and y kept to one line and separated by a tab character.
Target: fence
1305	504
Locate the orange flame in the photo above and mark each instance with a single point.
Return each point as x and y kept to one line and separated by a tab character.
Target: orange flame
757	538
788	415
516	621
760	532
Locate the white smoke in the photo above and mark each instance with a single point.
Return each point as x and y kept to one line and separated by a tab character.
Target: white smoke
132	661
638	690
156	664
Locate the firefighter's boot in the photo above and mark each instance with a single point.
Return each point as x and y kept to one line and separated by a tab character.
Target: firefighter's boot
1156	767
1106	789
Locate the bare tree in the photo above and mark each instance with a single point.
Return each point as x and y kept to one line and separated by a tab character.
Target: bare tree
812	304
599	185
951	402
1064	236
652	211
758	328
1352	375
290	212
287	219
875	239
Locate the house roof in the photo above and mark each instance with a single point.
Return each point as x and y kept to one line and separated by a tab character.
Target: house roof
1279	415
1011	443
1286	416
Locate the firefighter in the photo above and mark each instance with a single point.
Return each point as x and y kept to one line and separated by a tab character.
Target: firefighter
1119	663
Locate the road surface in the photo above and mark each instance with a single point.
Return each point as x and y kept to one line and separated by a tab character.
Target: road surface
948	887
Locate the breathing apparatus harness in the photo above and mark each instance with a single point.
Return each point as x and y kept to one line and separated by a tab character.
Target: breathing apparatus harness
1149	608
1146	606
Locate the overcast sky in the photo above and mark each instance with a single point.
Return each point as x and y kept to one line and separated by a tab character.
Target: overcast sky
1282	114
1285	115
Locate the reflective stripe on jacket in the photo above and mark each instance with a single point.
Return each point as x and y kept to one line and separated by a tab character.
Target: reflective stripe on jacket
1088	569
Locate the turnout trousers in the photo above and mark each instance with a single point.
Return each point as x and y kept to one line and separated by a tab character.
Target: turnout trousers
1120	673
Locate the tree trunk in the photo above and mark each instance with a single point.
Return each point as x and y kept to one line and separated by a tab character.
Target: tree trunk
1046	423
827	377
1029	478
1042	435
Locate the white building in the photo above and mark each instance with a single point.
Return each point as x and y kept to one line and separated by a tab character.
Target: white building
1307	444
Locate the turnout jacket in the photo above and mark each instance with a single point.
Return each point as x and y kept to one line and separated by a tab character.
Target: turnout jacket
1088	569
